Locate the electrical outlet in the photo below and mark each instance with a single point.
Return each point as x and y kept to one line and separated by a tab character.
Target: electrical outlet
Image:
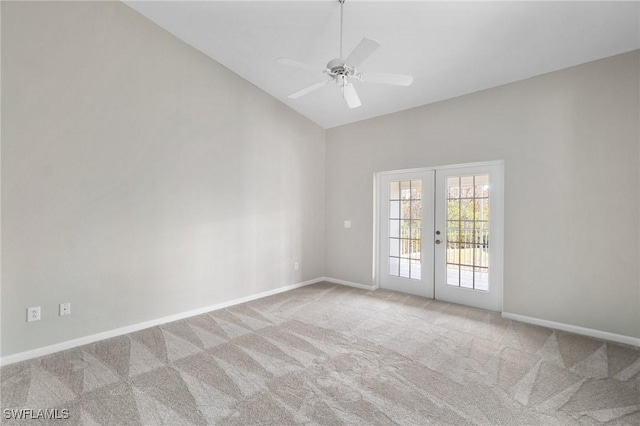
65	309
296	266
33	314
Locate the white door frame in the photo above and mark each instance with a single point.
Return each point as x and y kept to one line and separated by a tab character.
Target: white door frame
497	229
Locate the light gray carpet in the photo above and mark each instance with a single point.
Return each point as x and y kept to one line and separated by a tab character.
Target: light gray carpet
328	354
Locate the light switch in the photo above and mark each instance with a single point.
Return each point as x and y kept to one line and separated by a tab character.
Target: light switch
347	224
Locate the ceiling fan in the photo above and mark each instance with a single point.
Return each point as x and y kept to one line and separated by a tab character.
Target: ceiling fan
344	71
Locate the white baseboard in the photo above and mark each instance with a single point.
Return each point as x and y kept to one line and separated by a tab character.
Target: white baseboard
349	283
605	335
69	344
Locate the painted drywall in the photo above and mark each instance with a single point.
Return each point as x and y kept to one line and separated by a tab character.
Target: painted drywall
141	179
570	144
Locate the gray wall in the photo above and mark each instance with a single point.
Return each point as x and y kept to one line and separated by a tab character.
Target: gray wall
570	143
195	187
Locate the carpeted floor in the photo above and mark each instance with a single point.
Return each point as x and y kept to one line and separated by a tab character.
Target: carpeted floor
328	354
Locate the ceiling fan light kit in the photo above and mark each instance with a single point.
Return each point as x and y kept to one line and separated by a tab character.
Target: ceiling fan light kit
345	71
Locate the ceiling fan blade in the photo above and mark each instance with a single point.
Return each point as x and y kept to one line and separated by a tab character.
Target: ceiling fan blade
363	50
384	78
297	64
351	96
309	89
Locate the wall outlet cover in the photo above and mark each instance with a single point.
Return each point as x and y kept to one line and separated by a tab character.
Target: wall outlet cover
65	309
33	314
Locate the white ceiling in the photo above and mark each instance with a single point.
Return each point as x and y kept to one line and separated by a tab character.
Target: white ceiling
451	48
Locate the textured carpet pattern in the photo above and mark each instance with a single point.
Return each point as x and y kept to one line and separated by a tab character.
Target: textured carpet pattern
327	354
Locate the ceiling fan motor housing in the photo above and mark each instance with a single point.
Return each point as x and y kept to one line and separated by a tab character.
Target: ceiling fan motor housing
338	67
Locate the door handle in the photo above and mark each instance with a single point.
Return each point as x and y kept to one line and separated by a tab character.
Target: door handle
438	241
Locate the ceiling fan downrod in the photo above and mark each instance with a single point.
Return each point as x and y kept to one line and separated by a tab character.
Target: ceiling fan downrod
341	20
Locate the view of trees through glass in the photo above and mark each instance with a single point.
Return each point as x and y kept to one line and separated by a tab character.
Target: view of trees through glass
468	231
405	228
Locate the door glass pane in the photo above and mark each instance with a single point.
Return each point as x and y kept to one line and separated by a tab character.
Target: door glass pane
405	248
466	276
416	189
481	209
416	249
453	231
453	275
394	209
404	268
466	209
394	247
394	266
416	209
405	189
394	228
468	231
405	229
453	264
466	187
405	210
453	209
482	186
481	278
394	191
416	230
453	188
416	271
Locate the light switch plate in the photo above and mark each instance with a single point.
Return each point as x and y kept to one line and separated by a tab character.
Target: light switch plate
347	224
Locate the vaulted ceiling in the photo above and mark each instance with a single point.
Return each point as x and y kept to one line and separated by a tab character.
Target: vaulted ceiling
451	48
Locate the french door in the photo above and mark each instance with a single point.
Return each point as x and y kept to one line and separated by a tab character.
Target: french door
406	212
440	234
